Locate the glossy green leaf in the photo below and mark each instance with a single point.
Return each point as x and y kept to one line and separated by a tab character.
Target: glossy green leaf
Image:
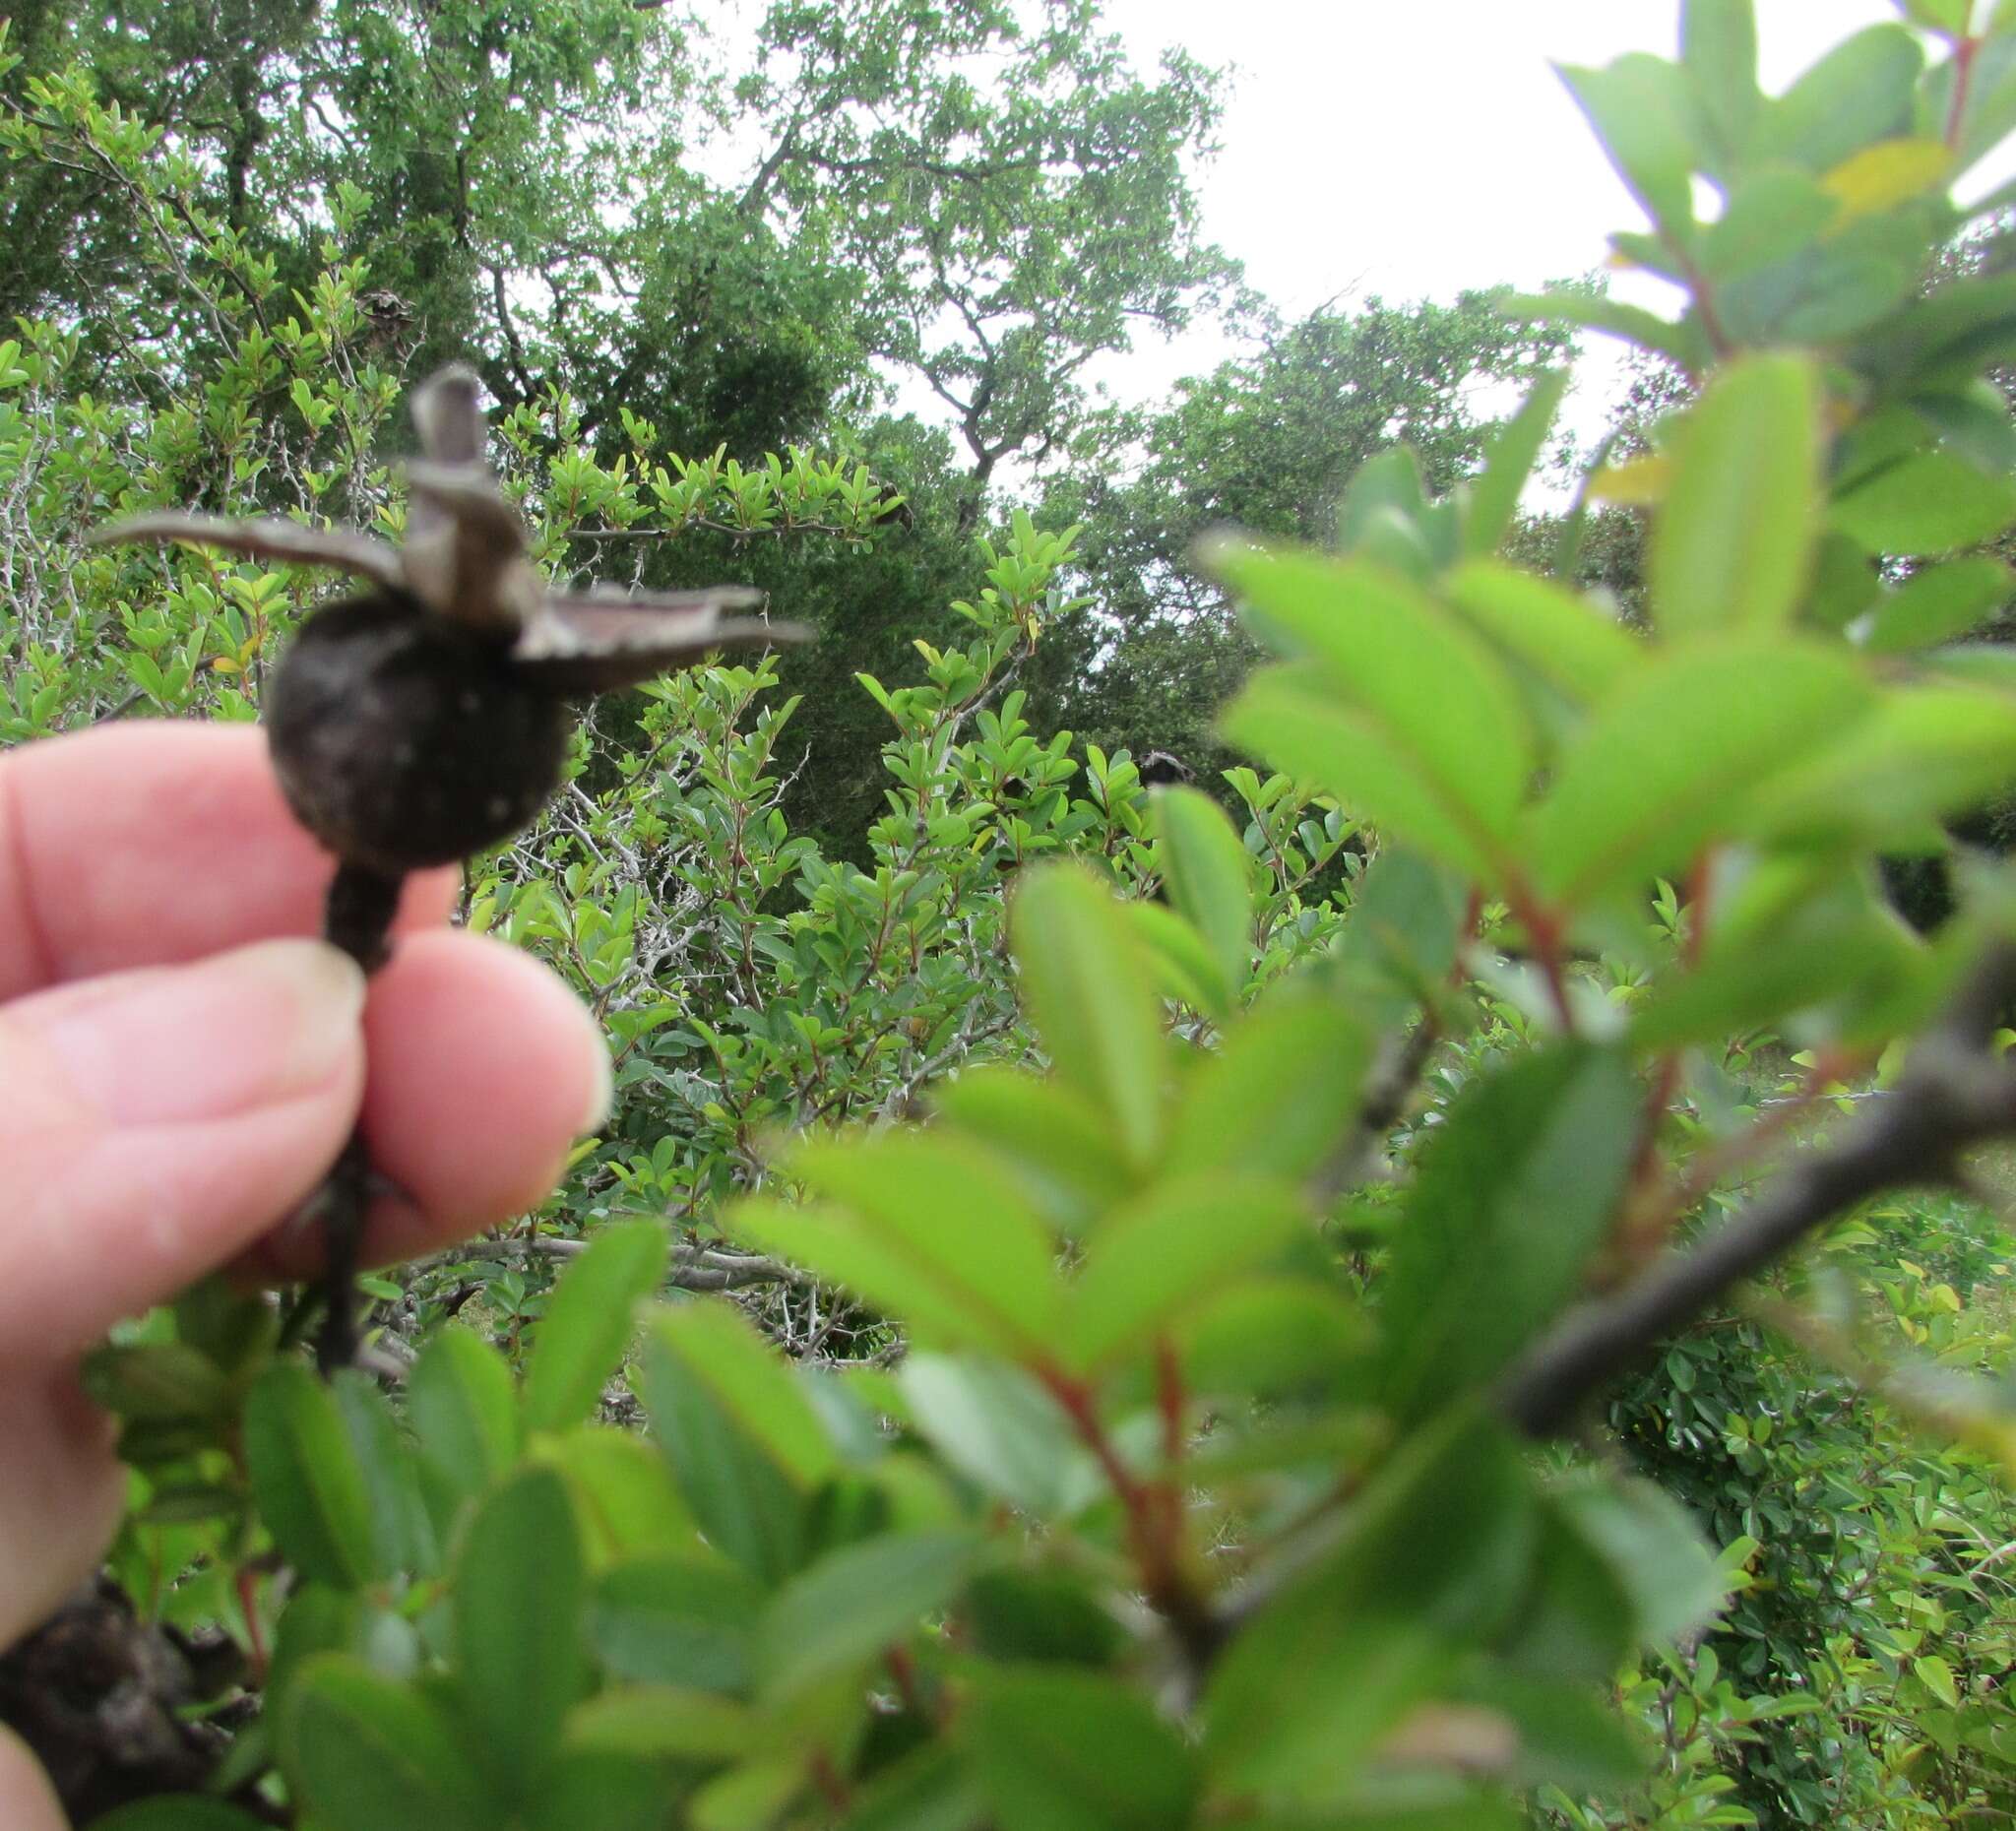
1862	91
374	1755
1509	460
1733	546
844	1610
519	1599
1065	1750
1515	1192
1667	762
464	1409
589	1322
742	1437
1420	719
1209	879
1015	1615
1089	991
1939	603
1168	1251
1643	115
923	1228
306	1479
1577	648
749	1799
1928	504
678	1621
995	1426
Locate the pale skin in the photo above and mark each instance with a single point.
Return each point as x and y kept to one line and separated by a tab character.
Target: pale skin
179	1063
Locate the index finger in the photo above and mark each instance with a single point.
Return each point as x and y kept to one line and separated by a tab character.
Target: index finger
149	844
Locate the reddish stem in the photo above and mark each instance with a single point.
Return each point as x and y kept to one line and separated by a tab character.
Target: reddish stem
248	1583
1963	80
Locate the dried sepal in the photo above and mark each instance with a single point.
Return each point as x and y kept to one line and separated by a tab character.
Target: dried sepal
607	640
343	548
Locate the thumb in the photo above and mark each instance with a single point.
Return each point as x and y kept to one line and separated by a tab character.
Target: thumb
157	1122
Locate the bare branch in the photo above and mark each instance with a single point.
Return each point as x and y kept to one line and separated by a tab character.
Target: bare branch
1954	1094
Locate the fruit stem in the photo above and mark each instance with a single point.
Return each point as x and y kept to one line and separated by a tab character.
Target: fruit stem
356	918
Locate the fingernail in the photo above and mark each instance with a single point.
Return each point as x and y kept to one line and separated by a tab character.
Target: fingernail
252	1028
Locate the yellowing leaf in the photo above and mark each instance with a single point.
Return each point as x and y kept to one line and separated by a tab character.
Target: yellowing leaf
1879	177
1638	482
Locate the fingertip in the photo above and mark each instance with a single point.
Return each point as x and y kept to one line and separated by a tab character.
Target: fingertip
484	1068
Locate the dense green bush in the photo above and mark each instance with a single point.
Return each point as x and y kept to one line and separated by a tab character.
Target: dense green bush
1152	1300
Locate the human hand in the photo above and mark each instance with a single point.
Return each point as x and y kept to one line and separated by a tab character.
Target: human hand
179	1066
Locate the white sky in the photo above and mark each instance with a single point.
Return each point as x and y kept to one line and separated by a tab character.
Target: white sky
1415	147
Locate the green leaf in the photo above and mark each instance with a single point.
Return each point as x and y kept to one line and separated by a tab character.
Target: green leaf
1168	1251
1667	763
403	1532
1936	1676
306	1479
1922	753
625	1497
464	1409
1580	651
1733	546
931	1789
844	1610
1568	1738
1508	466
997	1426
1400	944
1929	503
1402	712
668	1721
1515	1192
742	1438
922	1227
1939	603
1644	117
1186	972
1433	1551
1575	1622
1862	91
518	1598
1633	323
589	1322
1079	1751
606	1789
1654	1547
748	1798
1275	1097
689	1622
374	1755
182	1812
1771	216
1718	50
154	1382
1209	879
1265	1337
1089	991
1057	1151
